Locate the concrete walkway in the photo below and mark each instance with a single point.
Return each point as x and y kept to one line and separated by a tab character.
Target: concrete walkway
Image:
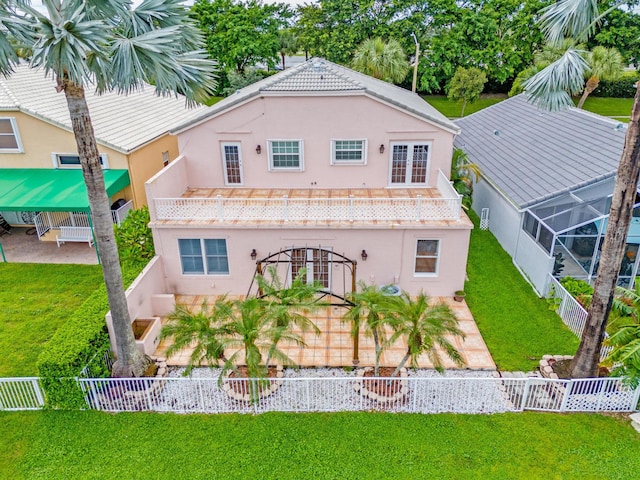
22	248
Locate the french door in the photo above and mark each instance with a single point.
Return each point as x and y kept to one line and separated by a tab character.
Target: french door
232	163
317	263
409	163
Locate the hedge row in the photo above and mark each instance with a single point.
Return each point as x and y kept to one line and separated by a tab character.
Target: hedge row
620	88
82	341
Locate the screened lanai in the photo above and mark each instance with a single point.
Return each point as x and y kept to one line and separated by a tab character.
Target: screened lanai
571	229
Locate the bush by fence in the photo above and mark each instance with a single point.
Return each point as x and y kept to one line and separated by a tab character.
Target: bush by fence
79	345
620	88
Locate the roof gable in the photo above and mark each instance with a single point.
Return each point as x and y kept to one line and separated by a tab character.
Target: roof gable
531	155
321	77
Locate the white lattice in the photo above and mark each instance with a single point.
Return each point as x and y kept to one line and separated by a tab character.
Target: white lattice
484	219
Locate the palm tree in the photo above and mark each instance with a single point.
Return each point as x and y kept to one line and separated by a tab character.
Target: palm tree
288	306
383	60
625	356
251	331
552	88
108	46
463	174
604	64
426	327
203	331
287	43
371	307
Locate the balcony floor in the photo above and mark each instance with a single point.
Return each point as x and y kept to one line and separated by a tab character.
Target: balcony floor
333	347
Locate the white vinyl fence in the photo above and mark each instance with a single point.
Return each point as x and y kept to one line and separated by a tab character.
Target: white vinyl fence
21	394
572	313
410	395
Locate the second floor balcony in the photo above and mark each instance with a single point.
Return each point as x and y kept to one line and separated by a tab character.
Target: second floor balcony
381	206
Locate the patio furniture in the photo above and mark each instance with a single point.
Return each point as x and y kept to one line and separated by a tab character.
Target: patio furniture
75	234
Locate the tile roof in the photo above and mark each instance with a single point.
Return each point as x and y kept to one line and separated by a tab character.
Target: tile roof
531	155
319	76
122	122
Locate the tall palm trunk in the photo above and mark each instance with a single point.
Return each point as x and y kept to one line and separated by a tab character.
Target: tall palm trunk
378	351
585	363
130	362
591	85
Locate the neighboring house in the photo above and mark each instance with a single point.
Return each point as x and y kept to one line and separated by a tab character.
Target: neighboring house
546	187
317	167
40	178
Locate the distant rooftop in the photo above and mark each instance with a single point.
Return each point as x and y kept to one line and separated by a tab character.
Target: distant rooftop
532	155
319	76
121	122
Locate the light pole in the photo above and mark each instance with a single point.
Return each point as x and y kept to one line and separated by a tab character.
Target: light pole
415	64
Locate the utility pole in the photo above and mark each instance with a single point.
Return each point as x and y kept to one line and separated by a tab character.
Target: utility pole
415	64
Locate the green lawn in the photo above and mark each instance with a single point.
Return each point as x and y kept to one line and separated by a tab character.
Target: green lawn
212	100
516	325
618	108
93	445
453	109
35	300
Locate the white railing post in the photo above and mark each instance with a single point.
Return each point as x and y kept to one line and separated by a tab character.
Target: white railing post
351	208
220	207
418	207
308	395
38	391
285	207
525	394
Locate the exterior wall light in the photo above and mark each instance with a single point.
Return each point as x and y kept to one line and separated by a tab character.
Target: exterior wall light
364	255
382	148
254	254
258	149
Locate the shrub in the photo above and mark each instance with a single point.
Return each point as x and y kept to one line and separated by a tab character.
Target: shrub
134	239
81	342
578	289
622	87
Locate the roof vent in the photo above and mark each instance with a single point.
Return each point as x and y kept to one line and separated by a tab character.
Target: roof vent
496	133
620	126
318	65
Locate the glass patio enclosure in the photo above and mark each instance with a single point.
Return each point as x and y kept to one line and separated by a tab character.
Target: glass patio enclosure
571	229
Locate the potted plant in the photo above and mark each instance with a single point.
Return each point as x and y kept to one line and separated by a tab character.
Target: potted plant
459	295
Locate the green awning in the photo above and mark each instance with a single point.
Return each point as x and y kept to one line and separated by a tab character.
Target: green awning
49	190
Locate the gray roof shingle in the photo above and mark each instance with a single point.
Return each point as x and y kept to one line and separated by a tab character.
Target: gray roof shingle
319	75
122	122
532	155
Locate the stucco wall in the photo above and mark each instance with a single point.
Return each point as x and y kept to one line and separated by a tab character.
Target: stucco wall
534	261
315	120
146	162
504	219
40	139
391	256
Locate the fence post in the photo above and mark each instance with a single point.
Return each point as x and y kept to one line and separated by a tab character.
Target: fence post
568	387
38	391
525	394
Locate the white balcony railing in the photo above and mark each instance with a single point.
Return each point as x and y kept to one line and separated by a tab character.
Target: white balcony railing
352	209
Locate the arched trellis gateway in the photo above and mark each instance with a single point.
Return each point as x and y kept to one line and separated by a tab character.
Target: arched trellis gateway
335	272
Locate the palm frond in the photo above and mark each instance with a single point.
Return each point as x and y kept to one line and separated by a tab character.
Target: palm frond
569	18
551	88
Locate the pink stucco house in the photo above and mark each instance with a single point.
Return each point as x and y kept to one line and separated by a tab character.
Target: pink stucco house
317	166
317	162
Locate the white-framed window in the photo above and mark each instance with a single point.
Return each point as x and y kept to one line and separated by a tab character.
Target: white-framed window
232	163
9	136
349	152
409	163
286	155
427	257
72	160
200	256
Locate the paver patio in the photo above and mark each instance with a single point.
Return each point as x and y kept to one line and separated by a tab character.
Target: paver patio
333	347
22	248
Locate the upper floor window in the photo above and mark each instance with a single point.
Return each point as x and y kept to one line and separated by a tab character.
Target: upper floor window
427	256
232	163
410	163
348	152
72	160
199	256
286	155
9	136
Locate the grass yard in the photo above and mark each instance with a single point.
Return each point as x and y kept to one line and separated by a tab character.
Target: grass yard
618	108
36	299
452	109
517	326
94	445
